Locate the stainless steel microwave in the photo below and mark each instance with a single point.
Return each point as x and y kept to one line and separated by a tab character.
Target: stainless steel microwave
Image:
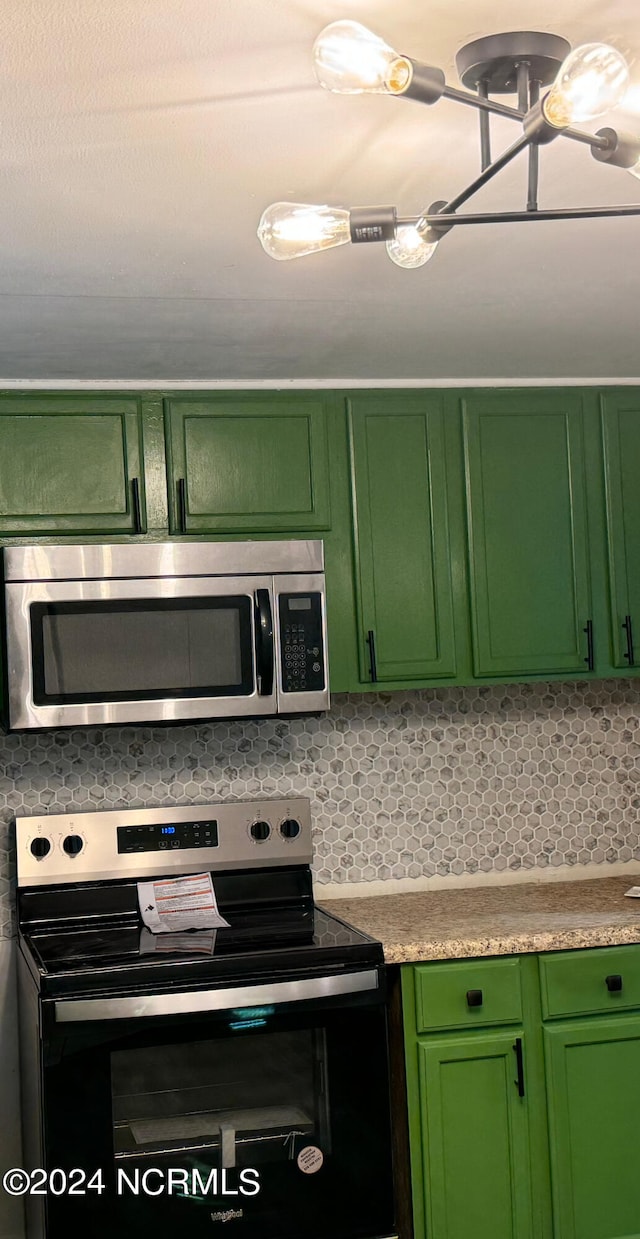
162	632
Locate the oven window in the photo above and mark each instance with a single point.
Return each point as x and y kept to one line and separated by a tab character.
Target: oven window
222	1099
115	651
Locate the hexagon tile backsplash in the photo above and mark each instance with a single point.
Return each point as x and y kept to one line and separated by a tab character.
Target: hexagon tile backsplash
443	782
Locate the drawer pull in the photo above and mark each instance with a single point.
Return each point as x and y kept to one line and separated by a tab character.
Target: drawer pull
474	997
519	1083
614	983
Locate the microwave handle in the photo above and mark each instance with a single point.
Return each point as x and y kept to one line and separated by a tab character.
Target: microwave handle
264	642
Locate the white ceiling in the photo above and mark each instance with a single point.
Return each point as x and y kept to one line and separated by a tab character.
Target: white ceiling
142	139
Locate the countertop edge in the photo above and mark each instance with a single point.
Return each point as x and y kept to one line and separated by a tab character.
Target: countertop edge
525	944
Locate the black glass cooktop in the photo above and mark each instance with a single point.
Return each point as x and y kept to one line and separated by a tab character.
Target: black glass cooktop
104	946
124	954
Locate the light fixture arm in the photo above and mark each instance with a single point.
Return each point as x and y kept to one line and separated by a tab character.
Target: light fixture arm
519	217
489	172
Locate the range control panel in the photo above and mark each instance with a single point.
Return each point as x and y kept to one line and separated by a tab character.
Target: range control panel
168	836
138	843
302	650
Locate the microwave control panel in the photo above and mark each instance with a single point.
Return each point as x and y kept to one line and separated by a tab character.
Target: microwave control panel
301	648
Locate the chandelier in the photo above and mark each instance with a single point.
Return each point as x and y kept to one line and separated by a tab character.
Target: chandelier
584	84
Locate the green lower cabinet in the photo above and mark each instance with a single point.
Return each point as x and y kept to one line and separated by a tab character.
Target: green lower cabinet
593	1088
476	1169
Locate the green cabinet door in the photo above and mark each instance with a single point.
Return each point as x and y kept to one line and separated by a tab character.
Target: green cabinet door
247	464
527	529
620	415
402	540
593	1086
70	464
475	1178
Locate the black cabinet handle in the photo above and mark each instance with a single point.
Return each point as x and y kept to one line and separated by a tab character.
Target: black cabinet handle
474	997
135	506
589	632
182	505
371	642
629	631
614	983
519	1082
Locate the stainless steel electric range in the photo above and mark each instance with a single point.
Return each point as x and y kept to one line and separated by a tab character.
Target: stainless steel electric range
184	1083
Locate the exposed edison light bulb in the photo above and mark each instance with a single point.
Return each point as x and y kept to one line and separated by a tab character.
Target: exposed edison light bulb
292	229
590	82
350	59
409	249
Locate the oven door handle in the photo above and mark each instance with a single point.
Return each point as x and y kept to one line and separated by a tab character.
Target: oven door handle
137	1006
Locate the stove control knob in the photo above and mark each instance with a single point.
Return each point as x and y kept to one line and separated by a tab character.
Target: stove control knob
72	844
259	831
40	847
290	829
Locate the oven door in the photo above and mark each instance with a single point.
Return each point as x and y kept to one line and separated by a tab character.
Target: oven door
124	651
264	1115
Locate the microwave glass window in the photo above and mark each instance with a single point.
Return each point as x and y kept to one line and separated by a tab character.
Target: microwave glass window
113	651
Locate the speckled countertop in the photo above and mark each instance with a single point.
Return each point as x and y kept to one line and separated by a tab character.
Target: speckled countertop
496	920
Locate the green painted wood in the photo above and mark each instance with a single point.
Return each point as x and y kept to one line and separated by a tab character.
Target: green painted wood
593	1082
620	414
574	982
67	464
441	993
401	534
248	464
527	524
475	1138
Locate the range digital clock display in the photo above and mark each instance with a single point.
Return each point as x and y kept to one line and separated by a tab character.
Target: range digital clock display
161	838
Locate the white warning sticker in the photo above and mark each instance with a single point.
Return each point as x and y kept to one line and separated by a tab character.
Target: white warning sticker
310	1159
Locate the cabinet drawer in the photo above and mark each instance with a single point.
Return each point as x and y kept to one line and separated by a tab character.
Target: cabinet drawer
584	982
460	995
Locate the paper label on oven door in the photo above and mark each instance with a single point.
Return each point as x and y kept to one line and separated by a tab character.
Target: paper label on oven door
171	905
310	1159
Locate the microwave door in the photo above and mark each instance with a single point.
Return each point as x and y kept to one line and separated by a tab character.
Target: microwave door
125	651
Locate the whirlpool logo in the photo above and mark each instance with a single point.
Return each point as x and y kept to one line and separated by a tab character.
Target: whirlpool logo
226	1215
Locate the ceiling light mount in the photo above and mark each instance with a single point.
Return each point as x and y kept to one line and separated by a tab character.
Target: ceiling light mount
555	89
494	59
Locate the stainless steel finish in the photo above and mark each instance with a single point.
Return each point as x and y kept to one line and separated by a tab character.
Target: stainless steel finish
146	571
301	702
119	560
24	712
100	860
136	1006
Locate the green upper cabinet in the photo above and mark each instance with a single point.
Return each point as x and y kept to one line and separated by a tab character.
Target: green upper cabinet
527	530
248	464
402	538
70	464
620	415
